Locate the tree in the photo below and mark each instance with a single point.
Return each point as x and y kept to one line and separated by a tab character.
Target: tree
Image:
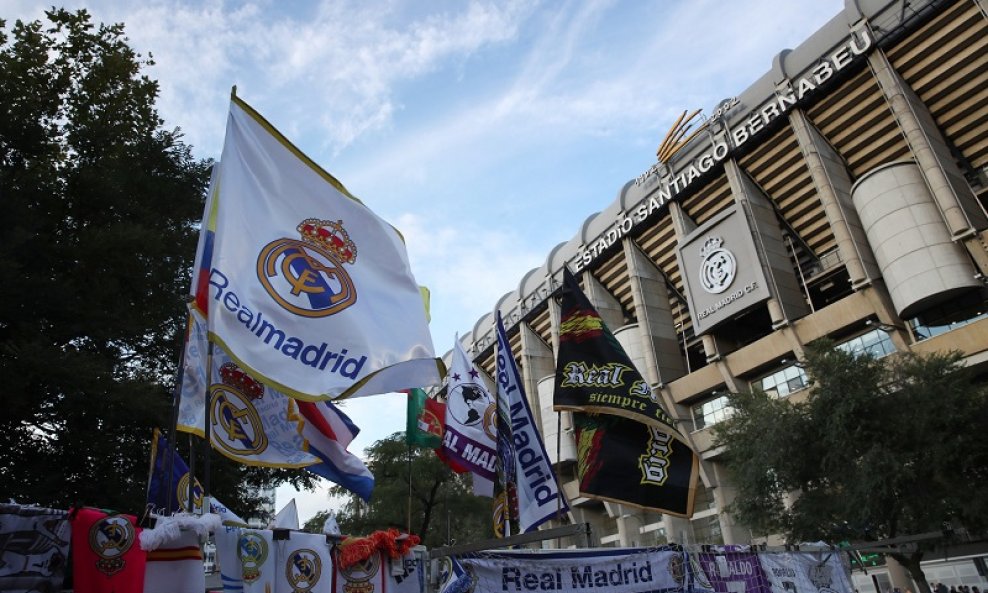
441	500
879	449
100	211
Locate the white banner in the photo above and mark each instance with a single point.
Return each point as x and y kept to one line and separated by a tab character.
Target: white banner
627	570
308	289
806	572
539	496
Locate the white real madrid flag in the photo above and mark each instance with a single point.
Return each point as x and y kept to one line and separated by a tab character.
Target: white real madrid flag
249	422
309	290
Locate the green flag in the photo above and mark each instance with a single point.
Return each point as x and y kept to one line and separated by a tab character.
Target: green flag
424	426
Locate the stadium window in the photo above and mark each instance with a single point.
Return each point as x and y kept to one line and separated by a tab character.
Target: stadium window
713	409
876	343
782	382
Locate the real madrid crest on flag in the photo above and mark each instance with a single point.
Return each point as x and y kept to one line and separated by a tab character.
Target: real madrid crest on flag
308	290
305	565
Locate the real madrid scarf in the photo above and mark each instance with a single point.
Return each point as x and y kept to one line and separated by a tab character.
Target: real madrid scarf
105	555
176	566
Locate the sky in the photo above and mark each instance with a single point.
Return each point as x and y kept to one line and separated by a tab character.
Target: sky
486	132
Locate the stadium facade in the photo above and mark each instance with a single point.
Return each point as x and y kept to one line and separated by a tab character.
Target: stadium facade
841	195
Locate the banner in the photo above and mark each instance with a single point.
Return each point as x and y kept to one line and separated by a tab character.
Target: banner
728	571
505	487
806	572
625	570
628	448
470	410
538	495
199	291
159	484
405	575
424	425
309	291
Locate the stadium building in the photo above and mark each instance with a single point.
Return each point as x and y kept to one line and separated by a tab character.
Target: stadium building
842	195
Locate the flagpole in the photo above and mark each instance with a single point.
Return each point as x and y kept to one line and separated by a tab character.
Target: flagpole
206	431
409	515
173	427
192	474
559	457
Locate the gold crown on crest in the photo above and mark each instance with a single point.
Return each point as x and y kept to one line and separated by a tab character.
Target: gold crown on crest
330	236
237	378
710	245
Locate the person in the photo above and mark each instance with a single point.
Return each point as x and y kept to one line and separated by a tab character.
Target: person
941	588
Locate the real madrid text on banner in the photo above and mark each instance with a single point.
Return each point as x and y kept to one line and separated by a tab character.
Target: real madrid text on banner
538	496
470	434
309	291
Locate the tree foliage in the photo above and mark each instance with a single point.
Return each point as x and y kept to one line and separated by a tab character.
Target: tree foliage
100	210
441	501
879	449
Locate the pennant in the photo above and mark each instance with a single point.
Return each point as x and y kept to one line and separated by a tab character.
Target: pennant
538	496
287	517
159	484
424	426
309	291
596	379
34	548
470	410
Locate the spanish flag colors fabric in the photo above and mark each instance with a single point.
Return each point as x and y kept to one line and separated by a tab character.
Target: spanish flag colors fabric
176	566
308	290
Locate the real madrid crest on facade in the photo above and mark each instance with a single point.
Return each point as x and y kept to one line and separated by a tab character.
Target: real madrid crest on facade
110	538
233	414
718	268
306	277
359	576
303	569
252	551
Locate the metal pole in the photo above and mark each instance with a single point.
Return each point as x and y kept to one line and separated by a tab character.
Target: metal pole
173	427
409	528
206	430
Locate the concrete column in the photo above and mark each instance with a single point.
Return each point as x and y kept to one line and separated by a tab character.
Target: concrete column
833	188
899	575
536	362
787	302
655	321
607	306
957	203
724	493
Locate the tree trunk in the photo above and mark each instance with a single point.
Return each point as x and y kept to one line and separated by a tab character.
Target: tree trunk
911	563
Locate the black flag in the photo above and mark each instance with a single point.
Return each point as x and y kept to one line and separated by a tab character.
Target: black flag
628	446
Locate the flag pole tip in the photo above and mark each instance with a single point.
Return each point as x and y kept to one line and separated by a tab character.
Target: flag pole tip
233	91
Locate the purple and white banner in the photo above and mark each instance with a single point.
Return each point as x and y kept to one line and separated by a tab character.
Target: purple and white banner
470	417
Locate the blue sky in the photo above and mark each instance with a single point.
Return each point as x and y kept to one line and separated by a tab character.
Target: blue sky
487	132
